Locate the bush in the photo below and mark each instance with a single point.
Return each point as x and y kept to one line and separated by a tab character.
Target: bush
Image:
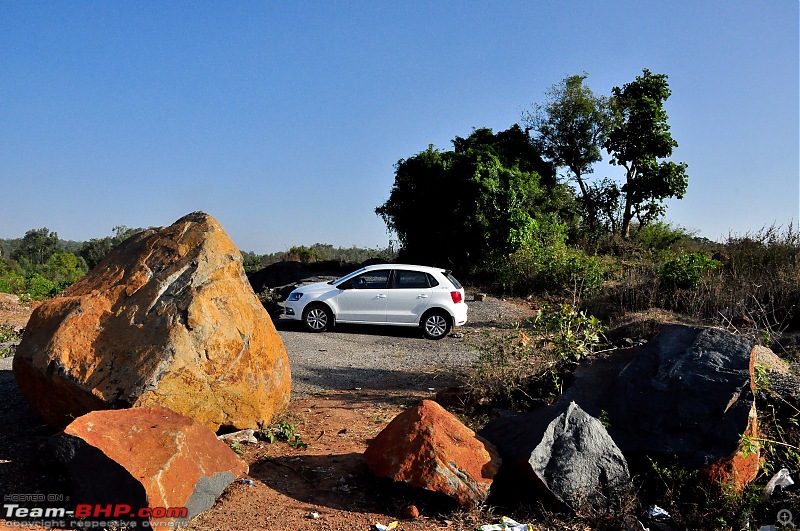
547	263
660	236
11	282
532	362
39	287
686	270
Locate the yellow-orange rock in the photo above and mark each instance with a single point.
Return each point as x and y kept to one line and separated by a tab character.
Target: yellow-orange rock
166	318
145	463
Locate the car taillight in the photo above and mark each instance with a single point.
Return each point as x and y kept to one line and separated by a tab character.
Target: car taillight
456	296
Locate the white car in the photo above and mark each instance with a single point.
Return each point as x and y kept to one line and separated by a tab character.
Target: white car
385	294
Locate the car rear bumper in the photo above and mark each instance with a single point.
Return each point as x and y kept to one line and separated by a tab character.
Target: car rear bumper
460	311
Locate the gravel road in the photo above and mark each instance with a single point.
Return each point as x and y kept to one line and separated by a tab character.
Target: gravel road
388	358
378	357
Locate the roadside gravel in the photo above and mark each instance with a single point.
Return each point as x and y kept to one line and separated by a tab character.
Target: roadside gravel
390	358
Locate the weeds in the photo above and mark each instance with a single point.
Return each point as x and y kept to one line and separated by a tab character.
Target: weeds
518	368
284	432
8	335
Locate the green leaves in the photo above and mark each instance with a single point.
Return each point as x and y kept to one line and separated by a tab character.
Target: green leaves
469	205
638	138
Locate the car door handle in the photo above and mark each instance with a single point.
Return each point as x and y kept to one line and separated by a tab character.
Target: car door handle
381	296
423	296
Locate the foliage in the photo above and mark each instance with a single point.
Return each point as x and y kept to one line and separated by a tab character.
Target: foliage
660	236
637	140
569	333
548	263
39	287
301	253
686	270
285	432
320	252
36	247
480	201
8	334
569	130
531	362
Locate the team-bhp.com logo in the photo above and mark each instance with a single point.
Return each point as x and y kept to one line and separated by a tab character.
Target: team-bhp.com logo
94	515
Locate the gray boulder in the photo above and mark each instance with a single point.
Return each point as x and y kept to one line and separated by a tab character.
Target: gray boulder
578	462
685	397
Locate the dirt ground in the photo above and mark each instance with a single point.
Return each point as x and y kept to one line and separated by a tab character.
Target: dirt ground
325	486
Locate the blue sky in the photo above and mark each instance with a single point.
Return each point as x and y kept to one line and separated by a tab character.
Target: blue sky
284	119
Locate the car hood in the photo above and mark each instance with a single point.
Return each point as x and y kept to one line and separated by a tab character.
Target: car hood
316	287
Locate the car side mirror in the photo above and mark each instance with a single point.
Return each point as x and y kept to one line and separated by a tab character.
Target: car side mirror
345	285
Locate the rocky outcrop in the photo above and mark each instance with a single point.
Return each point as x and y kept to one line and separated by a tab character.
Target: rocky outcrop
166	318
427	447
578	464
146	458
687	397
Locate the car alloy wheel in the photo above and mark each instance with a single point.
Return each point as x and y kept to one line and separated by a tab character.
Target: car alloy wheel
317	319
436	326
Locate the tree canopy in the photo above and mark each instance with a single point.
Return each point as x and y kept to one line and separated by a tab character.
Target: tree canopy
638	138
569	129
463	207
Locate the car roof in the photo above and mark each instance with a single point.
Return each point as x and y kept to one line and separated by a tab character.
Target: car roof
410	267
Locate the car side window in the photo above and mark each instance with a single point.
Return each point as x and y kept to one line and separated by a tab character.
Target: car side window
371	280
410	279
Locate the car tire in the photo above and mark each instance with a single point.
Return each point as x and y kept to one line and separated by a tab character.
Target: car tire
317	318
435	324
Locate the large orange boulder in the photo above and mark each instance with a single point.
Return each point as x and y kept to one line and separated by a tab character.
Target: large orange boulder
426	446
166	318
144	464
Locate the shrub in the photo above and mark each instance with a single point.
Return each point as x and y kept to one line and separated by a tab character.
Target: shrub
660	236
39	287
547	263
532	361
686	270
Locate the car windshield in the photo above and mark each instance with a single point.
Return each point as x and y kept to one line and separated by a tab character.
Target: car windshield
347	277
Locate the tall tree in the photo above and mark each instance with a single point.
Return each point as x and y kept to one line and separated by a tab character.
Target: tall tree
569	130
37	246
637	140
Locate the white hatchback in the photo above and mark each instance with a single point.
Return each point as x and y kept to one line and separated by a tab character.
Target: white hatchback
384	294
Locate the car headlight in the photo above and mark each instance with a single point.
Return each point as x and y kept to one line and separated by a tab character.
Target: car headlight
294	296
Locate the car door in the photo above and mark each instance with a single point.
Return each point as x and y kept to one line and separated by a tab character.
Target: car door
363	298
409	296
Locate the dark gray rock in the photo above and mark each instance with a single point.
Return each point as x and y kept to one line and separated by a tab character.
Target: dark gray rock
687	393
683	397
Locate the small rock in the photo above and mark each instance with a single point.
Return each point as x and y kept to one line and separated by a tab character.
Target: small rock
410	512
247	436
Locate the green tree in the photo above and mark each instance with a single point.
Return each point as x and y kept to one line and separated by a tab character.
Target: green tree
37	246
97	248
569	130
461	208
64	269
637	141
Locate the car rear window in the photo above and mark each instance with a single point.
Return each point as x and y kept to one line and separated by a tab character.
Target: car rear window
410	279
452	279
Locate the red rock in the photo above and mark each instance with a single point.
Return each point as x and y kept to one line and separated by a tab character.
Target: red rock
410	512
167	318
147	457
427	447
